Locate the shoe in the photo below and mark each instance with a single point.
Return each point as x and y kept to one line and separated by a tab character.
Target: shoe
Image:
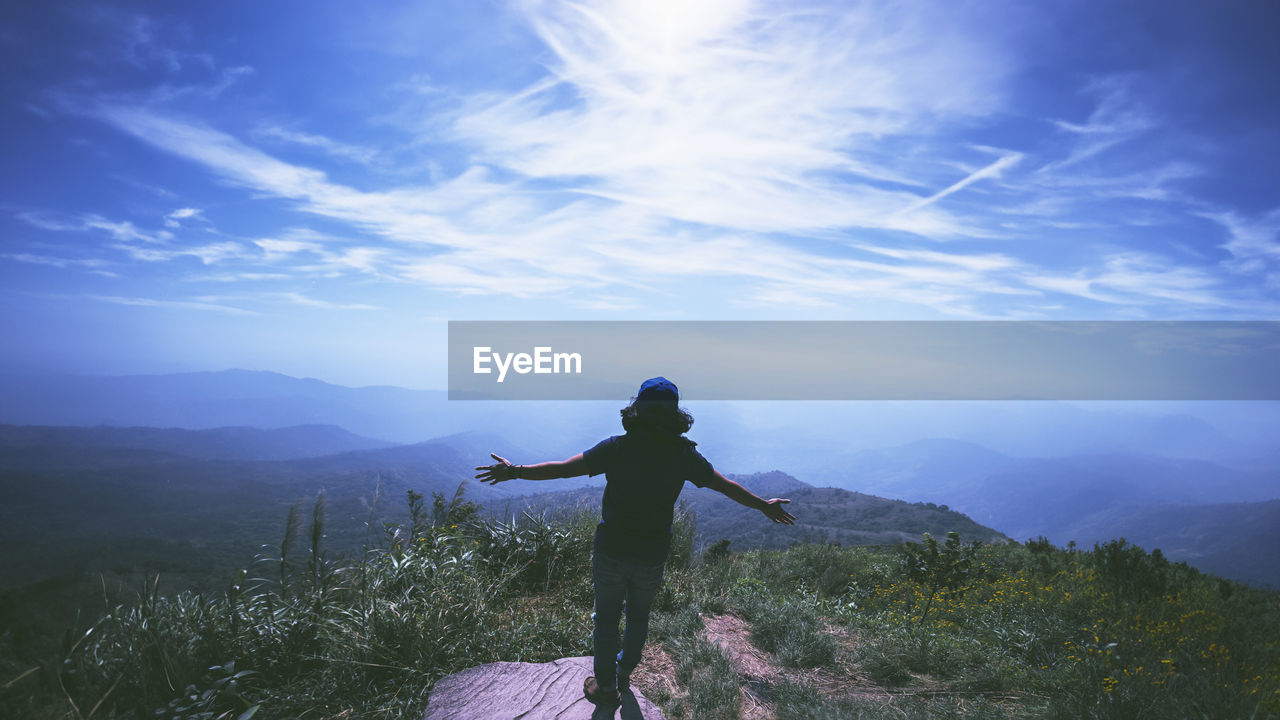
599	696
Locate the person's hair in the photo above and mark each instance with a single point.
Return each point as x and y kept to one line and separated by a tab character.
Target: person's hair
658	418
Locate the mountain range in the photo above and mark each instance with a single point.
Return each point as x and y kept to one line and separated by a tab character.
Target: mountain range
1029	497
193	502
133	456
807	438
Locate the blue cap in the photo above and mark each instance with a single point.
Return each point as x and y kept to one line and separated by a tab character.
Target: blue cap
658	389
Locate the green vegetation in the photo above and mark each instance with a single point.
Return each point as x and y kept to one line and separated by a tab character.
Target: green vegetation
830	515
936	630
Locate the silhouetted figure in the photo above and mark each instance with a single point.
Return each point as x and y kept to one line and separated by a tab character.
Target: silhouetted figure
644	470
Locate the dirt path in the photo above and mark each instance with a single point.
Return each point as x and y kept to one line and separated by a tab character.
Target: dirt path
759	671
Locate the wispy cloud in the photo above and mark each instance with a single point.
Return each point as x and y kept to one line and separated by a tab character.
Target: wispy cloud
326	145
242	277
137	39
276	249
141	244
174	219
173	304
732	119
124	231
1117	117
811	156
48	222
220	152
735	116
1119	152
300	299
1135	281
369	260
309	252
93	265
290	297
994	170
1254	243
208	253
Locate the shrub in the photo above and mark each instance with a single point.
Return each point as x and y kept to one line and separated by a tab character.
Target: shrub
939	568
716	552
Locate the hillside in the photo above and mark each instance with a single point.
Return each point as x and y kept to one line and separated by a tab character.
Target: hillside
822	515
1240	541
150	508
367	624
258	399
809	439
224	443
132	495
1029	495
92	508
1086	498
814	631
160	498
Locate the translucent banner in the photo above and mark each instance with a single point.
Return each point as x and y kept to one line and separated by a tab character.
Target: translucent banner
867	360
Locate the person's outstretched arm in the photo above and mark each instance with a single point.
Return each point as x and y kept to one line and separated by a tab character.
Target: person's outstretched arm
771	508
503	470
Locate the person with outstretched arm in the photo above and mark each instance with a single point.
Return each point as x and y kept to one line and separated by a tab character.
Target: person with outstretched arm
644	470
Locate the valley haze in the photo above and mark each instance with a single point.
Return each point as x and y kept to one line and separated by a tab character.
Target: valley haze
1071	472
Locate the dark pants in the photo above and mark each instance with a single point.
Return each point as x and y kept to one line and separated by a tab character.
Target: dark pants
620	582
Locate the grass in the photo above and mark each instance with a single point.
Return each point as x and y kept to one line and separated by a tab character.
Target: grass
998	631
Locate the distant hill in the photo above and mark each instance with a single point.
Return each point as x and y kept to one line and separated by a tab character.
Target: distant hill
245	398
1030	497
284	438
1240	541
1174	504
827	515
806	438
227	443
230	398
195	504
822	515
227	490
91	498
122	497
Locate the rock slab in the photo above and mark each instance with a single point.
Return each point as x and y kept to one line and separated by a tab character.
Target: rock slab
528	691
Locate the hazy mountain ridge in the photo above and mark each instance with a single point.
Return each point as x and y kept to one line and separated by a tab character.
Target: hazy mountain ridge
1240	541
260	399
1092	498
77	484
223	443
70	488
822	515
806	438
205	400
1028	497
266	429
62	498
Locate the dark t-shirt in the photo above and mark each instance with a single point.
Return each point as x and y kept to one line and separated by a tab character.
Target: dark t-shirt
644	476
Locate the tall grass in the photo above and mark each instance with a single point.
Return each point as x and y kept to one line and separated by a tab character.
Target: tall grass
1027	632
367	638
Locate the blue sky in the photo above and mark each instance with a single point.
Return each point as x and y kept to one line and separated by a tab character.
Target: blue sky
317	187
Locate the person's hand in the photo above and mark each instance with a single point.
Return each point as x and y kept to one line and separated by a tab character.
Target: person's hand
774	511
500	471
